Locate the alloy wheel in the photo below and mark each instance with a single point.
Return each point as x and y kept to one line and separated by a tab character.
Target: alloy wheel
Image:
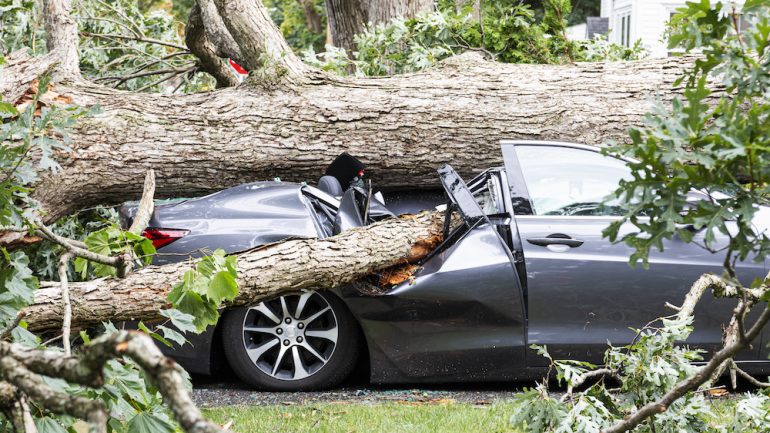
291	337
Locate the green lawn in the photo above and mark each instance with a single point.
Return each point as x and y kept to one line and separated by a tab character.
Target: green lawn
367	418
441	416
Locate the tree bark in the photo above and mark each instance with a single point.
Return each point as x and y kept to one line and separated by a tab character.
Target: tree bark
197	41
312	17
21	70
263	48
265	272
402	127
216	32
347	18
62	36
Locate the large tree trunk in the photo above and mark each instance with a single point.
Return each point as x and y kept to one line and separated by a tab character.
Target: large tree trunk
289	121
312	17
402	127
266	272
347	18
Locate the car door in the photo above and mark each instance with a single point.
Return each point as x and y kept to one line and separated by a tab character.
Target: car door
461	315
580	289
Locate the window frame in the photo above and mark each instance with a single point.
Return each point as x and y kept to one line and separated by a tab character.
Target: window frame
623	22
520	197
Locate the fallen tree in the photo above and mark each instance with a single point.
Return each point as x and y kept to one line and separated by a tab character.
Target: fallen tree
401	127
263	273
289	120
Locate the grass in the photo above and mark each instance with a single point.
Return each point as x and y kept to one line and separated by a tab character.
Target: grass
367	418
439	416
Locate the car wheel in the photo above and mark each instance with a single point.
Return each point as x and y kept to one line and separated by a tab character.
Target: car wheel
294	342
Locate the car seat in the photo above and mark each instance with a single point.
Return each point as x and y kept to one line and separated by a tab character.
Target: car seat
330	185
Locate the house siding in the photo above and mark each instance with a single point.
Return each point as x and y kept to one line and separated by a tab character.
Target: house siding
648	21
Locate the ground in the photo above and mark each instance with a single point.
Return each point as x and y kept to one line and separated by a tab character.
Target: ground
359	407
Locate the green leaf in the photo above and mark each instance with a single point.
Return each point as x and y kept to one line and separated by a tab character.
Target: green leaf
754	5
22	336
223	287
142	327
145	422
173	335
49	425
181	321
7	110
204	312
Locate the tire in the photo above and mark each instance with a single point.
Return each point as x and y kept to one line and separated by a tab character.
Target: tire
325	337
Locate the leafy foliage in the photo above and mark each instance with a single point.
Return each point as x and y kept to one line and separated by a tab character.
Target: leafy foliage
32	136
120	39
704	164
19	26
44	256
17	284
118	42
205	287
290	17
508	32
37	130
113	241
645	369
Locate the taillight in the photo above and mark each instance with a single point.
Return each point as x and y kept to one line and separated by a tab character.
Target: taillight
162	237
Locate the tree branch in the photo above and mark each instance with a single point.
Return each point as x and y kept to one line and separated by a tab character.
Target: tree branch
66	305
62	37
135	38
691	383
166	375
57	402
146	205
197	41
262	46
218	35
748	377
77	250
21	367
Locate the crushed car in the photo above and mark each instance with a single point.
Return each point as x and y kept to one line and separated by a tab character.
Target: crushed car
523	262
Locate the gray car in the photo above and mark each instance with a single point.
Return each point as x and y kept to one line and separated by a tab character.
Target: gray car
526	265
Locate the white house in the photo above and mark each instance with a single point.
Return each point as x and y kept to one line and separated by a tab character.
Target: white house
645	20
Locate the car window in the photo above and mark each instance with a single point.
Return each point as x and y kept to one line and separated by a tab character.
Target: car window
568	181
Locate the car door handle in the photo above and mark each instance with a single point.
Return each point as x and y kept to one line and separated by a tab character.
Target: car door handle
556	239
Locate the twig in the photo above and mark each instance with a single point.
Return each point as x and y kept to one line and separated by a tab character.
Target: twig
747	376
26	415
710	388
66	305
118	23
586	376
70	246
123	79
167	78
11	326
133	74
135	38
